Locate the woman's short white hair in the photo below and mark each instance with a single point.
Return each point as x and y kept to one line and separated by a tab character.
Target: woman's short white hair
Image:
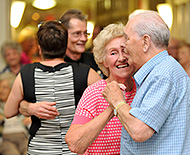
107	34
9	76
10	45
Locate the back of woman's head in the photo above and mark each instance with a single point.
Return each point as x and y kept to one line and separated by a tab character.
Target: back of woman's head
52	38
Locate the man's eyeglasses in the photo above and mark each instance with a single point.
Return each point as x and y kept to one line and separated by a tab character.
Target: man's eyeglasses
79	34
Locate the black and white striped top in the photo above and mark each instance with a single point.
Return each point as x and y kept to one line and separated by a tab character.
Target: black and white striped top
53	84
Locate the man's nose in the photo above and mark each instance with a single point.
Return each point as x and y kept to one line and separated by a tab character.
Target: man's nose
84	37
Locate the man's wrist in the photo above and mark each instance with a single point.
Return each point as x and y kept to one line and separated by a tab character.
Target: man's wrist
119	105
29	109
24	108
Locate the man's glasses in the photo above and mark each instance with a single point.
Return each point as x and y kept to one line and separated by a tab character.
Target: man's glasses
79	34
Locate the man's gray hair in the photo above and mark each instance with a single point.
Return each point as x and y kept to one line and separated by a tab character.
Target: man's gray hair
152	24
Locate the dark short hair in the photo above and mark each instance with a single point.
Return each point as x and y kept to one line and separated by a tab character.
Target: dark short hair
70	14
52	38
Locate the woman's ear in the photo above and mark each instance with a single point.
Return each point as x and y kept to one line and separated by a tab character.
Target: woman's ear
105	64
40	52
146	42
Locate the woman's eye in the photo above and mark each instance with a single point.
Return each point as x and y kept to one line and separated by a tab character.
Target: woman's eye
113	53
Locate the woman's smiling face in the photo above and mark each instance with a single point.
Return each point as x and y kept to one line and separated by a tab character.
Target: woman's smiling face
116	61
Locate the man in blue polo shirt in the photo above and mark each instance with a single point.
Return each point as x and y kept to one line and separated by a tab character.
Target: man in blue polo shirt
158	121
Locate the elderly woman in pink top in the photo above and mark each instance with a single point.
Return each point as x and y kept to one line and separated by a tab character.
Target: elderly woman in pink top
95	128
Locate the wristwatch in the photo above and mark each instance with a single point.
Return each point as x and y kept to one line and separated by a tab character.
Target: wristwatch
118	106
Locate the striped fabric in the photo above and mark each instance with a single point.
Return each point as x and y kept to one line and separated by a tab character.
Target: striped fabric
56	87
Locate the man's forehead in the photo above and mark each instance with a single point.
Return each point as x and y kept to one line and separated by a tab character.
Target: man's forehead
129	27
79	25
125	32
75	21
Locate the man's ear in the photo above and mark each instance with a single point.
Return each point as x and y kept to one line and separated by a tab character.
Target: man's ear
146	42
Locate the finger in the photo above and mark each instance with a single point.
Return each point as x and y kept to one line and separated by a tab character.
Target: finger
49	103
104	94
47	111
114	84
46	116
49	106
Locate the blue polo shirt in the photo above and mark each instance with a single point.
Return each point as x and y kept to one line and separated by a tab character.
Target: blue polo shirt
163	103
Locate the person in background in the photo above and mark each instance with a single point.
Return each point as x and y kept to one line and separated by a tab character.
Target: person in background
33	54
52	80
184	57
173	47
11	51
76	24
95	129
14	131
27	40
96	31
158	120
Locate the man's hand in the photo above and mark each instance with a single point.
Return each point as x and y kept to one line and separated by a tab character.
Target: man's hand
42	110
113	94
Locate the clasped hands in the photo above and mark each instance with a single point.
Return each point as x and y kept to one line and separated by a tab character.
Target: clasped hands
113	94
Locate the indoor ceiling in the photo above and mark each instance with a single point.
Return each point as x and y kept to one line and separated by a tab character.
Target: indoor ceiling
100	12
58	10
88	7
95	9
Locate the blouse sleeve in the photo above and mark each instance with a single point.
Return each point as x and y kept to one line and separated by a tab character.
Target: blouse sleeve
88	105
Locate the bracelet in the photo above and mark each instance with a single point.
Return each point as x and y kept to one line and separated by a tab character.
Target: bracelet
120	104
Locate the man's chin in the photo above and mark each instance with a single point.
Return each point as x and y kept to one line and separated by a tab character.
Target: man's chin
81	50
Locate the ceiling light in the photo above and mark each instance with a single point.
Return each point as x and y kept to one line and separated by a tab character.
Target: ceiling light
44	4
90	28
17	10
165	11
35	16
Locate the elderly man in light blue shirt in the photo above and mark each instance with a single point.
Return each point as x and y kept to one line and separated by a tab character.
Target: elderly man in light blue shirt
158	121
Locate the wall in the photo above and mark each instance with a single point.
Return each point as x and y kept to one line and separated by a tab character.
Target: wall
5	25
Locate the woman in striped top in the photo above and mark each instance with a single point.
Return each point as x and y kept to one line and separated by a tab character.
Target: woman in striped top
51	80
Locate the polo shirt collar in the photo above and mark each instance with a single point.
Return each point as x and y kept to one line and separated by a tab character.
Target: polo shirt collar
144	71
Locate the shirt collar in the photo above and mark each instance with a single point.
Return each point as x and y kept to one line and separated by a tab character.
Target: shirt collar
144	71
68	59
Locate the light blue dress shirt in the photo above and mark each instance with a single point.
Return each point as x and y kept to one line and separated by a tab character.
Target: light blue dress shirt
163	103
